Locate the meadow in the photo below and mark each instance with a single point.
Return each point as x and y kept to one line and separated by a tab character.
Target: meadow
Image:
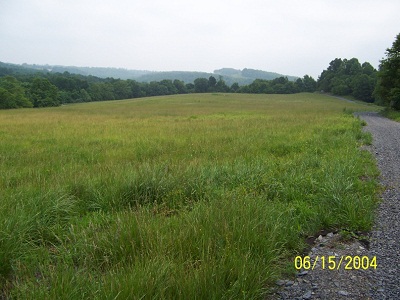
201	196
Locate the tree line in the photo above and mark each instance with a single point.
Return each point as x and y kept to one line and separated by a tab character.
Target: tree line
54	89
349	77
342	77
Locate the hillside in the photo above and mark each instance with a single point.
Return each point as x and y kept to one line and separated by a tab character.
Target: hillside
242	77
101	72
247	76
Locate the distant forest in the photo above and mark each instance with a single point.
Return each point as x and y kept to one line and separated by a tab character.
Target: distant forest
38	86
242	77
42	86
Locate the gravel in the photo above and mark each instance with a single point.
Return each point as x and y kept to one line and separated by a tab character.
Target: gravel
385	237
382	282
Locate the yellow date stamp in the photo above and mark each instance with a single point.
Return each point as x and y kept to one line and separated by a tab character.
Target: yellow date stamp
333	262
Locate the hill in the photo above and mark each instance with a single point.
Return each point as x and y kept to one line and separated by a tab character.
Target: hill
101	72
242	77
247	76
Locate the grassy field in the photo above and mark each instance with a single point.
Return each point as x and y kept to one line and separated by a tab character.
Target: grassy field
176	197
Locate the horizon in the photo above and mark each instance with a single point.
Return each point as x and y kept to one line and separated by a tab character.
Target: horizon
283	37
150	71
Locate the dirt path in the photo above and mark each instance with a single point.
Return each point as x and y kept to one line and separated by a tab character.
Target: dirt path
384	281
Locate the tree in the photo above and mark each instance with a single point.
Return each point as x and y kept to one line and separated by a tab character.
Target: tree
43	93
352	67
363	87
12	94
155	88
84	96
299	85
122	89
221	86
171	89
310	85
180	86
348	77
235	87
340	85
201	85
388	86
368	69
334	69
190	87
212	82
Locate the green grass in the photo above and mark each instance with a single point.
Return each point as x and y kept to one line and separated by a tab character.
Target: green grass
180	197
391	114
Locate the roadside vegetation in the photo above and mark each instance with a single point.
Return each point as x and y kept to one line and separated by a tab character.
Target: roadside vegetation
391	114
201	196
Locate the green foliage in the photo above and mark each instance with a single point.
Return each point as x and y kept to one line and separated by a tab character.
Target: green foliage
349	77
12	94
387	89
212	82
280	85
43	93
180	87
201	85
391	114
363	87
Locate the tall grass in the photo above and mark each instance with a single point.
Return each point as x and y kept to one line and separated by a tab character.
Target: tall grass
181	197
391	114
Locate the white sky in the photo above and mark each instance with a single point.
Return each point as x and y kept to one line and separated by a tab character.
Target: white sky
288	37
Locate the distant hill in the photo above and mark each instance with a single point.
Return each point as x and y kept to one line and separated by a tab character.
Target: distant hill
242	77
86	71
247	76
186	76
230	75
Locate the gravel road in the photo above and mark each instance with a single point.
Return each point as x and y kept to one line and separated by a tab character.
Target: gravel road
385	237
384	281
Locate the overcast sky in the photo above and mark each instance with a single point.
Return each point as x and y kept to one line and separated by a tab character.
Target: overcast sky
288	37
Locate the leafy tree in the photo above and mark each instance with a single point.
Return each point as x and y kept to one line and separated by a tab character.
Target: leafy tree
12	94
171	89
66	97
43	93
121	89
348	77
201	85
387	88
190	87
235	87
221	86
212	82
310	85
137	89
325	79
352	67
340	85
180	86
155	88
299	85
363	87
84	96
7	100
101	91
368	69
258	86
